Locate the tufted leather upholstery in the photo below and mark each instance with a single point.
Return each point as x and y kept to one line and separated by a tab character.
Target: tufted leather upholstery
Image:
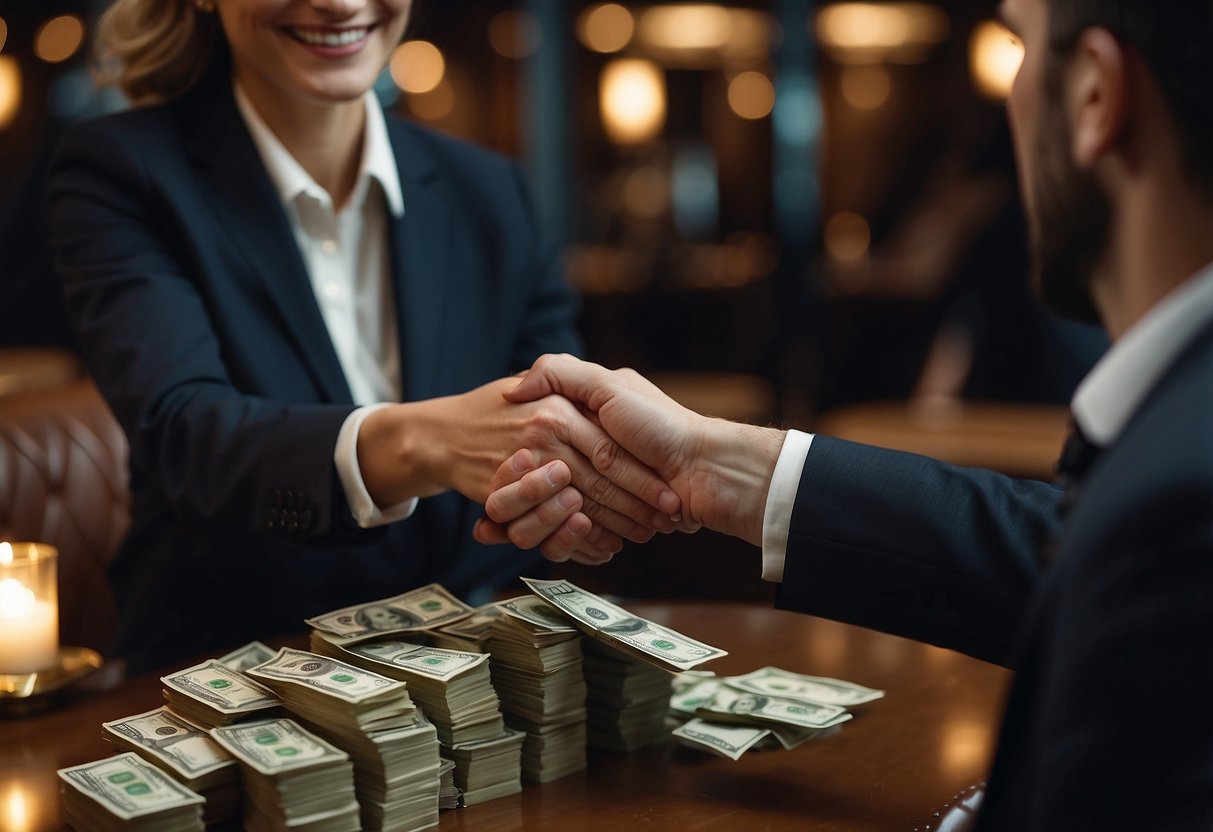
64	481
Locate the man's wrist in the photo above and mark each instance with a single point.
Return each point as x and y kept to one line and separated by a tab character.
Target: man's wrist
740	460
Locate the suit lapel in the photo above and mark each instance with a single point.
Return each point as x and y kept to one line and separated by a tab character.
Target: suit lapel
250	213
421	241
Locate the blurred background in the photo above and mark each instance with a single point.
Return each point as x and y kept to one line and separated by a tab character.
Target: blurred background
794	213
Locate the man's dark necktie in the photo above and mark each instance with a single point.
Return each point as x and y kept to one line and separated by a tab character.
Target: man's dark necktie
1077	456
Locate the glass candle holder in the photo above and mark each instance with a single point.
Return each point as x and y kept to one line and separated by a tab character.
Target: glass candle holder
29	608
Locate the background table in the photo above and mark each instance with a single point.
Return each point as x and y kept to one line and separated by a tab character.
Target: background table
901	758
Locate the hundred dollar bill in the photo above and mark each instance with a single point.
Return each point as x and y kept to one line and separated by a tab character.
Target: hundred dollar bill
221	688
736	706
329	676
129	787
538	612
774	681
467	633
726	740
186	749
420	609
242	658
432	662
277	745
616	626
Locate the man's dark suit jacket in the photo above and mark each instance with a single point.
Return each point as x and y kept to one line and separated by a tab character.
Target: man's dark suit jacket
1109	723
198	321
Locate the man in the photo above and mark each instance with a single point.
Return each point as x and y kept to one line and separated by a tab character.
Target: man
1099	591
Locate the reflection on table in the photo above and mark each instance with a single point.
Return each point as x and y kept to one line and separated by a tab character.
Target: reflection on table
901	758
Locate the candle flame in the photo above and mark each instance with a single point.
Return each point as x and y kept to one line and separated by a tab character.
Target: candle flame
6	553
16	601
16	811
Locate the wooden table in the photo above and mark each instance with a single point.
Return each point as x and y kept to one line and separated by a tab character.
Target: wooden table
899	760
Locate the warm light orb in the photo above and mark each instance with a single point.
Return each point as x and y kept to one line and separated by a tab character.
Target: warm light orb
866	87
752	95
17	814
633	100
3	32
514	34
6	553
994	58
875	32
417	66
848	237
59	38
687	26
606	28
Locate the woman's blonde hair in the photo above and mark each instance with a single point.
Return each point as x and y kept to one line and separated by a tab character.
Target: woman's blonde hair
154	50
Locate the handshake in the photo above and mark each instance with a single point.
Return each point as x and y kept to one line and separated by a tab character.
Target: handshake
607	455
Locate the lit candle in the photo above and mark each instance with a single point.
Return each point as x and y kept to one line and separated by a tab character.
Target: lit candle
29	613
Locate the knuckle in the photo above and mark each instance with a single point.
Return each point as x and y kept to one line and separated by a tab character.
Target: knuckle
519	537
606	455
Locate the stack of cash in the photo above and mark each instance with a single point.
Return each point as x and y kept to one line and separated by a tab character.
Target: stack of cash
467	633
185	752
537	671
293	779
768	707
627	699
210	694
242	658
448	793
395	750
418	610
488	769
452	687
124	792
626	665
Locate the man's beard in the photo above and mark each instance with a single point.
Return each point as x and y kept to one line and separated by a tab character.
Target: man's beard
1068	222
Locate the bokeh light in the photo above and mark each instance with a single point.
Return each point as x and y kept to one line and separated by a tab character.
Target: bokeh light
865	86
995	55
848	237
59	38
751	95
606	28
514	34
633	100
417	66
10	90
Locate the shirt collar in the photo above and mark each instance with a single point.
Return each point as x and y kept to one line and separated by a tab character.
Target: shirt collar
291	180
1112	392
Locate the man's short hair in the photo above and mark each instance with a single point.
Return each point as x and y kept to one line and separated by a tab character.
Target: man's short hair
1175	39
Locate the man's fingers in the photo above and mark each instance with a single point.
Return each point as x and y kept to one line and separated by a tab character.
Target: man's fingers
509	502
621	470
570	377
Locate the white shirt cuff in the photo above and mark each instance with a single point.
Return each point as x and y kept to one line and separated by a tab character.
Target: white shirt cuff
777	519
345	456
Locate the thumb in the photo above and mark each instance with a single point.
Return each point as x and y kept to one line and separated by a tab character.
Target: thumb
561	374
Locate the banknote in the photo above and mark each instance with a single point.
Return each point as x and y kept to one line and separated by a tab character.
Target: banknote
419	609
276	745
739	706
726	740
687	700
221	688
329	676
774	681
432	662
188	750
616	626
242	658
129	787
536	611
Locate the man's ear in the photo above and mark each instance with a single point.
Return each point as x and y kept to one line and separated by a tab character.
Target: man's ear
1097	96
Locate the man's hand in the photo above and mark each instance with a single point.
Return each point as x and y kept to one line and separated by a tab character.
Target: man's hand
720	471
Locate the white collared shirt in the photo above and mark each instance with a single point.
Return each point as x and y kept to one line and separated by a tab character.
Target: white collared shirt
348	260
1103	404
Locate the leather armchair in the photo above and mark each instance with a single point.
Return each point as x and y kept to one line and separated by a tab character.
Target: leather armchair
64	481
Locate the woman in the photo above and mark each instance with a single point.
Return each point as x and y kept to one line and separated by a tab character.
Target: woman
255	260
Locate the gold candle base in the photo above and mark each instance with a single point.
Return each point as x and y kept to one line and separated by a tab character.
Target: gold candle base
25	693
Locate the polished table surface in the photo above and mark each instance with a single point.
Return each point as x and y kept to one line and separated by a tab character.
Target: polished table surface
892	767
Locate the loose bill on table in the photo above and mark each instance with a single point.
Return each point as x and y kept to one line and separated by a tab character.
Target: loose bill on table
420	609
617	627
